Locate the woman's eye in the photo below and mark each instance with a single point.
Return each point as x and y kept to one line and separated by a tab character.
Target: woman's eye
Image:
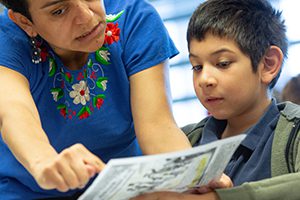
223	64
197	68
58	12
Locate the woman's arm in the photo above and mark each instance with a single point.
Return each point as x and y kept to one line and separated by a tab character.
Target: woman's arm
155	126
21	130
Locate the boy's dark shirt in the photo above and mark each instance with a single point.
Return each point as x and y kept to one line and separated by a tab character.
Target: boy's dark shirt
252	159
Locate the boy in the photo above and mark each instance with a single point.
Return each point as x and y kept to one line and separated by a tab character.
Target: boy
237	48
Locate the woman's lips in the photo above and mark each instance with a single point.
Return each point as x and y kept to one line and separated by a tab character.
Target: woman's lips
93	33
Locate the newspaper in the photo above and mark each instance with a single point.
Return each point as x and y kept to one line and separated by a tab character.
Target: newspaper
125	178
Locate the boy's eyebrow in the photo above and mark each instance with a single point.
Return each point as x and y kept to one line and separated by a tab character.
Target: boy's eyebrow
51	3
222	50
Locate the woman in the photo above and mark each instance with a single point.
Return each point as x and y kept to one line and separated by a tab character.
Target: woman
78	87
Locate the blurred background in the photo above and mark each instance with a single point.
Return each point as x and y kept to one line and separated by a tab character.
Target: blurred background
175	14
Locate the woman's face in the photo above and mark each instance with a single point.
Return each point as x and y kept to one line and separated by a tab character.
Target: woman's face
69	25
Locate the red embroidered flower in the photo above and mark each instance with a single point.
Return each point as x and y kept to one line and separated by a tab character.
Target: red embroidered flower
63	112
93	75
80	76
84	115
112	33
99	103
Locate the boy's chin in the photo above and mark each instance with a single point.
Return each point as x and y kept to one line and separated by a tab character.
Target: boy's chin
217	116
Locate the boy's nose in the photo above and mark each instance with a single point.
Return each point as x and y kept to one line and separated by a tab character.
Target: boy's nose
83	13
206	79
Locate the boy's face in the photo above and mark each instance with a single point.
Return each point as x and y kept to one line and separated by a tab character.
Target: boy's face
223	78
76	25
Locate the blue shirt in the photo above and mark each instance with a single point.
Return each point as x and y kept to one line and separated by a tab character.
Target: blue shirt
252	159
89	106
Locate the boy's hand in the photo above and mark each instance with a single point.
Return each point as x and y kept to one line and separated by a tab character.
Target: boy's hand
70	169
177	196
202	193
224	182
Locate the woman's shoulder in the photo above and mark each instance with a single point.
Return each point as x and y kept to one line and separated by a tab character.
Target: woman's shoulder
117	5
10	33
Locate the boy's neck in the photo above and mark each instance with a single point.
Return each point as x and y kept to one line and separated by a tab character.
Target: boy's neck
242	123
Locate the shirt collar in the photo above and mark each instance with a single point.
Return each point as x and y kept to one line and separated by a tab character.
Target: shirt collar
213	128
264	127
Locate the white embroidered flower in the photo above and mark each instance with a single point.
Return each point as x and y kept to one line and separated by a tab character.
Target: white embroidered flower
104	85
105	55
80	93
55	95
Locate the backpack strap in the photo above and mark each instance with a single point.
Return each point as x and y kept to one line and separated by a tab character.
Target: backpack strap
286	139
194	131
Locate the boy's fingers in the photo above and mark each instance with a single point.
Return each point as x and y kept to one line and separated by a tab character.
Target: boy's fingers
224	182
204	189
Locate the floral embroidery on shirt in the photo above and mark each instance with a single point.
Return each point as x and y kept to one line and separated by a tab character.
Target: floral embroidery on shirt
79	94
112	33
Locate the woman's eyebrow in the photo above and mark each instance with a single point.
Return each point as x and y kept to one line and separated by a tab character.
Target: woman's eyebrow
51	3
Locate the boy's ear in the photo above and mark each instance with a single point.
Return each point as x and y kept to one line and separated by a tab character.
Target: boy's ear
23	22
271	62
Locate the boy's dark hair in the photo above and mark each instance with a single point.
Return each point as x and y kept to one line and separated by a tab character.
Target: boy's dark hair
20	6
253	24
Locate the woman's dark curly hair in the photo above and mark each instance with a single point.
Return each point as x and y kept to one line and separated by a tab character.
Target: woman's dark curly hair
20	6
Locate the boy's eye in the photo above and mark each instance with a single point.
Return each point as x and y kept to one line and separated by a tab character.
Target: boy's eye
223	64
197	68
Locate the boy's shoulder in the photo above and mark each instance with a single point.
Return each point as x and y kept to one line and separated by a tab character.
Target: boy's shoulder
286	140
289	110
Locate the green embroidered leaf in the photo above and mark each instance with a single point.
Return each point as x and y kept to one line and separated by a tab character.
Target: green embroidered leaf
69	78
55	90
101	83
101	96
88	110
85	74
83	110
103	48
90	63
114	17
52	67
100	58
61	106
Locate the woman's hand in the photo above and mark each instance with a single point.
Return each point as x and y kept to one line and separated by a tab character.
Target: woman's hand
70	169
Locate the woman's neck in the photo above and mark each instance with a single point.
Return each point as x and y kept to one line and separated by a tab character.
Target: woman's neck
71	59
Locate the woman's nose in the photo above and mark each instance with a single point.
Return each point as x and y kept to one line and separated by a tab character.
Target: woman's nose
83	13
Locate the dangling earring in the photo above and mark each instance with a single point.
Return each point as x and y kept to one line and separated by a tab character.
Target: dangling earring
35	51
